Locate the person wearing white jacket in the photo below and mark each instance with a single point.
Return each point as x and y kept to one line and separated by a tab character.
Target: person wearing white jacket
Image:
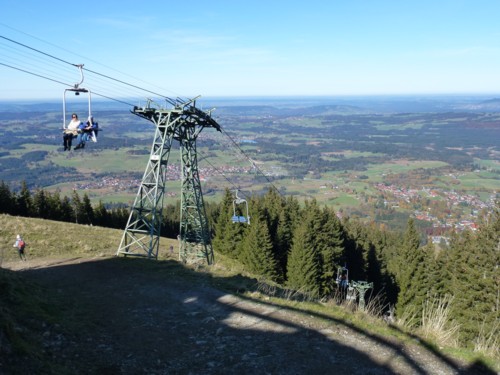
71	131
20	244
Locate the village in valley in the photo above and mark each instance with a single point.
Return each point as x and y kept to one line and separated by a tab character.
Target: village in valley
441	168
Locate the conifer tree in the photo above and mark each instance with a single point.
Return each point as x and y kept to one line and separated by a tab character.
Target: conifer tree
303	266
272	207
118	217
284	237
40	204
257	250
384	245
54	203
67	212
330	244
412	279
437	271
171	220
228	235
7	202
101	215
375	270
87	210
77	208
24	202
475	284
356	250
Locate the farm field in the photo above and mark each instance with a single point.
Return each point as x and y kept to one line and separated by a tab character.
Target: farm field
445	164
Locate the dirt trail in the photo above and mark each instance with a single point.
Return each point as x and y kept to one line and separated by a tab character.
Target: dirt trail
153	322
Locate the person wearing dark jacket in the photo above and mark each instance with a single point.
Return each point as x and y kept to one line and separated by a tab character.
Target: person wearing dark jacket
88	132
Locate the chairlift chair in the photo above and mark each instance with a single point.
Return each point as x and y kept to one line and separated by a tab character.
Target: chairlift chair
77	90
342	277
240	218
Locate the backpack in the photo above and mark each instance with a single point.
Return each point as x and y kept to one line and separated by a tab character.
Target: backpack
21	244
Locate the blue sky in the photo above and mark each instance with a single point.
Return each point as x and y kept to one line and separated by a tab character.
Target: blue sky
257	48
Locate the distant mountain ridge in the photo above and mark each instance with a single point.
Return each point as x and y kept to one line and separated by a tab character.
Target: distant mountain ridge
276	106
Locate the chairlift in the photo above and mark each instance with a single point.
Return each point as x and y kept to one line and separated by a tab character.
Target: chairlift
342	277
240	218
77	90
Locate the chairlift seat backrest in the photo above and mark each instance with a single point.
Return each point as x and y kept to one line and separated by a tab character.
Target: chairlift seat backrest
77	90
240	218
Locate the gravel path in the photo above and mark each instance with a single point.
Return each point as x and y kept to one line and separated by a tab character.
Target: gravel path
138	322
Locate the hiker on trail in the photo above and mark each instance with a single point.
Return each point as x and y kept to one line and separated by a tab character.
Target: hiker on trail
20	244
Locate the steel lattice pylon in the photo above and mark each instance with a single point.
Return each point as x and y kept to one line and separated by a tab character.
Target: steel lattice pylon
183	122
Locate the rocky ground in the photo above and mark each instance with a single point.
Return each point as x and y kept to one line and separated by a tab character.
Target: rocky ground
136	322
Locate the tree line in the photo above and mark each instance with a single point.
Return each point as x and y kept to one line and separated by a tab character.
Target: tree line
75	209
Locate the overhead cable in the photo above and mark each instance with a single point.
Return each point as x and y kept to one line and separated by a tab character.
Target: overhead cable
250	160
88	70
34	74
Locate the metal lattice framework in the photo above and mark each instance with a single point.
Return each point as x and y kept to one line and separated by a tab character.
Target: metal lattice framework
141	237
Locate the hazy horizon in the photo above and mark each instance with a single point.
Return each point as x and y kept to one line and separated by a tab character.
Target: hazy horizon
260	49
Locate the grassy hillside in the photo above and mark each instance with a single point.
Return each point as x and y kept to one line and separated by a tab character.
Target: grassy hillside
51	239
55	239
26	309
28	312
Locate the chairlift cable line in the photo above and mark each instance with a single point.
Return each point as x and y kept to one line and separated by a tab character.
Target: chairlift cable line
218	170
22	56
88	70
35	74
32	70
114	99
32	57
36	50
125	83
251	161
76	54
170	100
66	62
62	83
37	38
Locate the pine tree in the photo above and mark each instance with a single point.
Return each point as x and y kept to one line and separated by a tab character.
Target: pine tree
272	207
284	237
87	210
330	244
475	284
303	266
412	279
40	204
7	202
228	235
356	250
67	212
24	201
257	250
54	206
78	211
171	220
379	268
101	216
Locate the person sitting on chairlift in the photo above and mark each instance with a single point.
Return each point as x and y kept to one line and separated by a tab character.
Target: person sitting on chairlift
88	132
71	131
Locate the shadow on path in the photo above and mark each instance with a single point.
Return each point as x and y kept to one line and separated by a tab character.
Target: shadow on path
133	316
